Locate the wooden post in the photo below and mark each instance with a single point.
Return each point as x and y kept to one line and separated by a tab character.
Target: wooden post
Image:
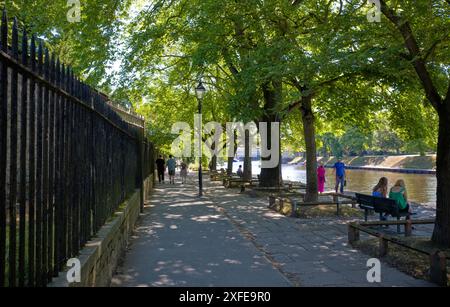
294	208
408	228
338	209
353	234
438	268
271	201
383	246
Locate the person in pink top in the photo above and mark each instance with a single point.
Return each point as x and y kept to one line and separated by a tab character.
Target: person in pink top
321	178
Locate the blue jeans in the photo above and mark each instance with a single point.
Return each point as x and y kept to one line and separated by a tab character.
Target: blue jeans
340	181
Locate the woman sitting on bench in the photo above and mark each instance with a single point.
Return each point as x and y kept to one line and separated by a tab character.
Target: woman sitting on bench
399	194
381	189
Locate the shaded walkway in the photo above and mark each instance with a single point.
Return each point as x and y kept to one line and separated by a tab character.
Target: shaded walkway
228	239
184	241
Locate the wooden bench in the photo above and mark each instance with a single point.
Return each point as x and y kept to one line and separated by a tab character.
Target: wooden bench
379	205
238	182
279	204
438	259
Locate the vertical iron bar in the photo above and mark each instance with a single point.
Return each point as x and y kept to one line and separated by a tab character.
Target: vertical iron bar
58	169
32	171
39	169
13	162
3	147
45	217
23	164
51	158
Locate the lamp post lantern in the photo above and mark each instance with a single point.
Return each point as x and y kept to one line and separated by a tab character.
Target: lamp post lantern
200	92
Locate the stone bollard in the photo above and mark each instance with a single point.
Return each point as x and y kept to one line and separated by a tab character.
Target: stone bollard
438	268
271	201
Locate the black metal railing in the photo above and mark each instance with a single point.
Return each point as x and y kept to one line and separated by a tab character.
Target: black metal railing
67	161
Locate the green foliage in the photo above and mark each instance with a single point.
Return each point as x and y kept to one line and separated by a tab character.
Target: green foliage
89	46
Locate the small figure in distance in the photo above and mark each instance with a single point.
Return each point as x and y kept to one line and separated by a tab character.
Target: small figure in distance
339	170
239	172
171	166
160	167
183	172
321	177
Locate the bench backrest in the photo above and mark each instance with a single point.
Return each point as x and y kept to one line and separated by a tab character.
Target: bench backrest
379	204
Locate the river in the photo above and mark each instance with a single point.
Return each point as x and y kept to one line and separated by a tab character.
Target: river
421	188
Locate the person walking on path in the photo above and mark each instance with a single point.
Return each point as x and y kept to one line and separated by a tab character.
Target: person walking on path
183	172
321	178
171	166
339	170
160	167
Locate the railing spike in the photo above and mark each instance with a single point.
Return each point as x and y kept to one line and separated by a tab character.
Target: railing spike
40	57
4	31
15	39
24	48
33	53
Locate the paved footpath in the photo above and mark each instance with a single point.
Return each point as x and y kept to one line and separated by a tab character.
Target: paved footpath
183	240
230	239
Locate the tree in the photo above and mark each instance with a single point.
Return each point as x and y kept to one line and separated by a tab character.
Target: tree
387	141
354	142
427	52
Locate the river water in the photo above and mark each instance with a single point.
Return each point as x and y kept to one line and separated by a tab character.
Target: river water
421	187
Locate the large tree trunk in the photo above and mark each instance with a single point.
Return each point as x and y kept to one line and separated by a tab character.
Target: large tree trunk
231	159
271	177
230	166
247	157
213	163
309	131
441	233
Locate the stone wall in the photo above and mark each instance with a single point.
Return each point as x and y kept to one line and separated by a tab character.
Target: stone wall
100	257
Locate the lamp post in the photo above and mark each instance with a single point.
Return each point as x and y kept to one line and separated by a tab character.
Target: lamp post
200	92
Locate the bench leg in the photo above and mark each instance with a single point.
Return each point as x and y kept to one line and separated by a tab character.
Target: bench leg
338	209
366	214
398	226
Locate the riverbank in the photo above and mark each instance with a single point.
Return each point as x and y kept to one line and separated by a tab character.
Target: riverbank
385	163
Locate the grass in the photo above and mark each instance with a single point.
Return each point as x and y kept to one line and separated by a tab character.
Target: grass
329	211
408	261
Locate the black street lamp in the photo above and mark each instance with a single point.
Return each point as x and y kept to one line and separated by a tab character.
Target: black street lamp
200	92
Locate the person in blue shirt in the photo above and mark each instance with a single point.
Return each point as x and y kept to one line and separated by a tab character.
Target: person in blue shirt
171	166
339	169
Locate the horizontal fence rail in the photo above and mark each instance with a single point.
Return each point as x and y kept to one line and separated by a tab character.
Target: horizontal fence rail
67	161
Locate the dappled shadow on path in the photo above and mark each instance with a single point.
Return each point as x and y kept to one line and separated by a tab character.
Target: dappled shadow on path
182	240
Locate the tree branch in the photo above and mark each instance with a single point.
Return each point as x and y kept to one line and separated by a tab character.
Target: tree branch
413	48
